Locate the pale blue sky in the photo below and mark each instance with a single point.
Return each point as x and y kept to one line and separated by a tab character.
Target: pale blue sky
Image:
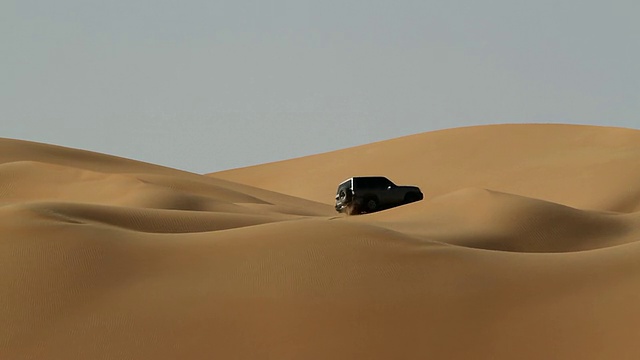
211	85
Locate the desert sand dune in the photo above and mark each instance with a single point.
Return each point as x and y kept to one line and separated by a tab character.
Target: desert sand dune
490	220
526	246
586	167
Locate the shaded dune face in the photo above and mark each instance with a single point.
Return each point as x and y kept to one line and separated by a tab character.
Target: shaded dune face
526	246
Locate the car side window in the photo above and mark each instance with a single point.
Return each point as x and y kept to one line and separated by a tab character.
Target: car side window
383	183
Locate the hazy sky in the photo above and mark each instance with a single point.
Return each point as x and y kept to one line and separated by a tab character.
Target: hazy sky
211	85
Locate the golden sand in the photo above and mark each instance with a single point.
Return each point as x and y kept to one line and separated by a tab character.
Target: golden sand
526	246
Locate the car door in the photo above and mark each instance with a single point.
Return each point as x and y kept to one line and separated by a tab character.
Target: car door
388	192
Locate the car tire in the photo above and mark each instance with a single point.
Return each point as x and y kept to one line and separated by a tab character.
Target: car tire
346	195
371	205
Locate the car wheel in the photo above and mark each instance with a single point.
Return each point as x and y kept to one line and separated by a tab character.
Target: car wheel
371	205
345	195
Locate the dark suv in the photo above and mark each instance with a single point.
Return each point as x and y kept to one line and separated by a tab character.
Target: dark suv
367	194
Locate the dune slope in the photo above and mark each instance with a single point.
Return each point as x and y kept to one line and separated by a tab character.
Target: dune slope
522	248
580	166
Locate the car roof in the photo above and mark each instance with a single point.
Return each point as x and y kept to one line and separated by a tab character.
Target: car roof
371	177
366	177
